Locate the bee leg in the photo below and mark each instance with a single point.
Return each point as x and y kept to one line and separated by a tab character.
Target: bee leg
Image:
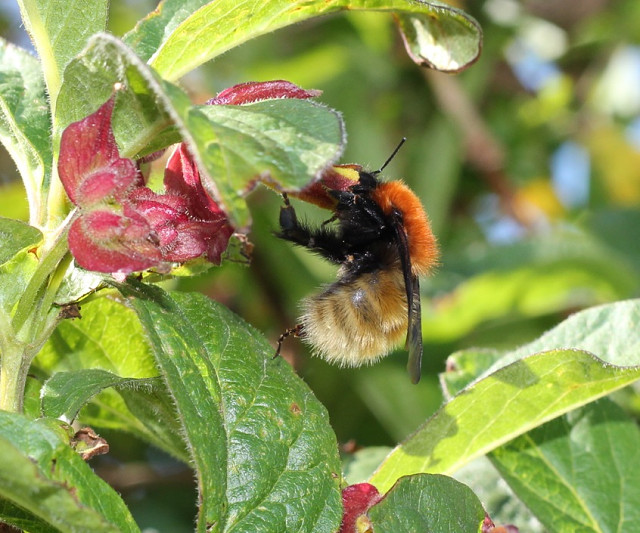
289	224
324	241
296	331
293	230
330	220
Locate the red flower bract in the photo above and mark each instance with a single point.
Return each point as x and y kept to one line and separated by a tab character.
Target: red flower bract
124	226
104	241
90	166
182	178
489	527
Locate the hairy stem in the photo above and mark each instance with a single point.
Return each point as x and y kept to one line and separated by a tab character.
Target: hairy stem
33	321
13	376
50	260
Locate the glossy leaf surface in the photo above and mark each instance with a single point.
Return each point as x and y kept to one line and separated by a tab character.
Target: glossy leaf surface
184	34
529	390
578	472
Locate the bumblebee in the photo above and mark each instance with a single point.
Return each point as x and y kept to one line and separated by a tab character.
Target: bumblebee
381	238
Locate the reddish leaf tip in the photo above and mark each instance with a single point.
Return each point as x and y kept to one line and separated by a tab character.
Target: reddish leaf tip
357	500
489	527
253	91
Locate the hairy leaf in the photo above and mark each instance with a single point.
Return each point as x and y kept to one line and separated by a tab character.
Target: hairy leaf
59	30
65	393
96	345
25	122
264	454
294	139
43	475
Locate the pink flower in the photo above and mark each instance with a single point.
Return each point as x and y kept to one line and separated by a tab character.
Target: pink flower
90	166
124	226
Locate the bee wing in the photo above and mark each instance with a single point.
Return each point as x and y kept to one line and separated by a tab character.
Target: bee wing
412	287
414	334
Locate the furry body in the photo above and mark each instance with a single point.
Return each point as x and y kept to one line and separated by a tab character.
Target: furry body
359	321
383	242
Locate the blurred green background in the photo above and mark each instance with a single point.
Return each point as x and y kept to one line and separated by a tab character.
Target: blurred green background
528	164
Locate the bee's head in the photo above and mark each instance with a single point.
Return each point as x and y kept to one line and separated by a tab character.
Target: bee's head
368	182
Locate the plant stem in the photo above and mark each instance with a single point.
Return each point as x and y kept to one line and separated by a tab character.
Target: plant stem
33	321
14	367
50	260
57	205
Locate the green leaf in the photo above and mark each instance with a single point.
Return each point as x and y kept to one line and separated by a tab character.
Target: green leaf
564	270
261	444
579	472
25	121
608	331
16	267
445	39
465	366
594	330
142	109
147	412
65	393
21	519
434	503
522	391
16	236
512	400
108	347
289	141
183	35
40	473
499	501
60	29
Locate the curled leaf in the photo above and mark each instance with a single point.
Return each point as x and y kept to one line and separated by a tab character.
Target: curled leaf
443	38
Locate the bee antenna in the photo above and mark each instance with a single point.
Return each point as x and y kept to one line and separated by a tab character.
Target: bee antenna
391	156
